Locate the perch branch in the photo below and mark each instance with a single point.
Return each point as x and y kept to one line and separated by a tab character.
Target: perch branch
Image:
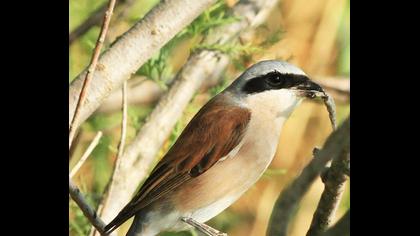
88	76
203	228
86	209
87	153
132	50
288	200
341	228
140	155
334	179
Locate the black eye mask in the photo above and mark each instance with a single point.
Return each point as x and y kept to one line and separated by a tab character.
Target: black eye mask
273	80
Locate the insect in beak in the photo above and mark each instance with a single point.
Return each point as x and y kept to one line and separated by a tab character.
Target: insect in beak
312	90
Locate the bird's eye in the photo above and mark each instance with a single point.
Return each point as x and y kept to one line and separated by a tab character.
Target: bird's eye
275	80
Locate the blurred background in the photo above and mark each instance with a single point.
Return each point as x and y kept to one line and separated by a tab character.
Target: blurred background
313	35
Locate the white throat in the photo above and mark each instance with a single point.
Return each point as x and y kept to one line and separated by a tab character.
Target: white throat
273	104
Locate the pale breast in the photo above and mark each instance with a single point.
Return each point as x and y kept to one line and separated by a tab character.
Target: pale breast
207	195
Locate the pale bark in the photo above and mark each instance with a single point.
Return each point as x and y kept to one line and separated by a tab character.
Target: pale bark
132	50
290	197
334	179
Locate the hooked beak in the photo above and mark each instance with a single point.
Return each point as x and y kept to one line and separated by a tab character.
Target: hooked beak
310	89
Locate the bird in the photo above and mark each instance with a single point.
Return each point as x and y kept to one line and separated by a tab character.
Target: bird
221	153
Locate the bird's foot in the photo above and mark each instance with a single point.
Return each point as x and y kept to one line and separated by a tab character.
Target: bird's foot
207	230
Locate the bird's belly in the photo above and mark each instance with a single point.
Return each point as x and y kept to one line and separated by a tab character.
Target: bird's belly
210	193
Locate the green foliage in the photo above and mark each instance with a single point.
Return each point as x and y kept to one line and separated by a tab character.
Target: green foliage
137	115
158	69
102	170
102	121
213	17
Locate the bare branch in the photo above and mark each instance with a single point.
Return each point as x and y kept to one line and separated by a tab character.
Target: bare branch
334	180
88	77
140	155
288	200
132	50
86	209
87	153
341	228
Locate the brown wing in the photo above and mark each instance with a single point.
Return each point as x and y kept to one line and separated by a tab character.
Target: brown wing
213	132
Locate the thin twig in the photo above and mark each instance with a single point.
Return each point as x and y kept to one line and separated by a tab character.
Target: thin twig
334	180
123	121
91	69
87	153
288	200
341	228
86	209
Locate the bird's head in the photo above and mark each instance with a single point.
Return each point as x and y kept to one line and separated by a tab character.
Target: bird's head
274	86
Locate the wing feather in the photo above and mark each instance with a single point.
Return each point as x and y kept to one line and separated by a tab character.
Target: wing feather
213	132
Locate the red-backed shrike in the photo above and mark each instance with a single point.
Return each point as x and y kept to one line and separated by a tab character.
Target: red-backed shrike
221	153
